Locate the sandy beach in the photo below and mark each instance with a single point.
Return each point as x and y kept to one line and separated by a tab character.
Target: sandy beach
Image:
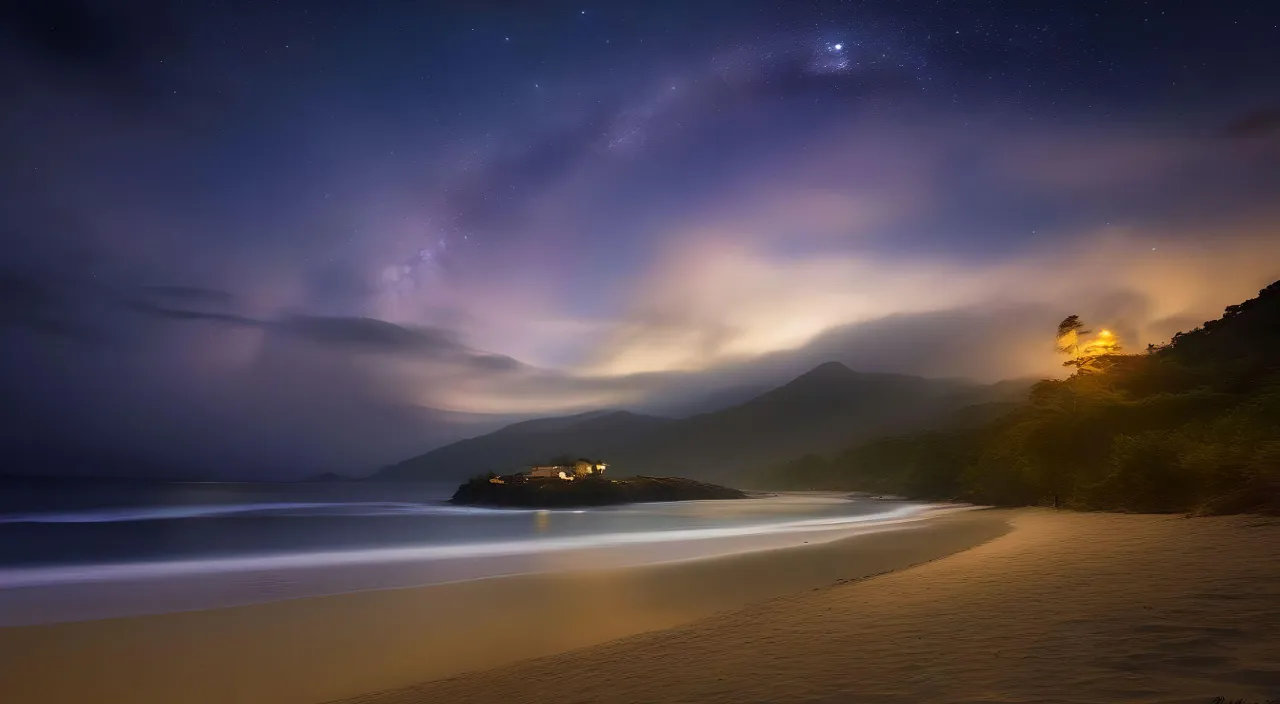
1065	608
317	649
1062	607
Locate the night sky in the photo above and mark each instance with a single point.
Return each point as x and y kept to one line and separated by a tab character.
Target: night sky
268	239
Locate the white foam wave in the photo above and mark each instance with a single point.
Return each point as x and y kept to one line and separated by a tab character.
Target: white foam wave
836	525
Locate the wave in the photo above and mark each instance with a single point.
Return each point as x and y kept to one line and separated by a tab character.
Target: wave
835	527
340	508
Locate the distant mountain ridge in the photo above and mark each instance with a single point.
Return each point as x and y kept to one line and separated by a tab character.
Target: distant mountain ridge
543	425
1192	426
821	410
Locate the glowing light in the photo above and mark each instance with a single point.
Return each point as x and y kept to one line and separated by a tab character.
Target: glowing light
838	47
1105	333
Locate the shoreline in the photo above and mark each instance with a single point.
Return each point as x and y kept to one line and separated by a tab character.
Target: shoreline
1083	607
323	648
38	596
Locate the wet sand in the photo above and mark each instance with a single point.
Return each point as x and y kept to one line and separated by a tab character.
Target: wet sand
1067	607
334	647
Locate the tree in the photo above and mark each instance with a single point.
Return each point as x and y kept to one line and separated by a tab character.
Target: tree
1087	355
1192	426
1100	353
1105	343
1069	332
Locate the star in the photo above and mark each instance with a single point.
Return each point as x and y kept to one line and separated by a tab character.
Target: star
838	47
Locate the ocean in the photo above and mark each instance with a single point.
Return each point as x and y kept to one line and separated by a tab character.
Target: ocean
86	550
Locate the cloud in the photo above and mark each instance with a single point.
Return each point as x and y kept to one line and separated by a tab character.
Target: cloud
1097	162
356	334
881	223
189	392
368	333
194	295
181	314
720	301
1264	122
495	362
642	252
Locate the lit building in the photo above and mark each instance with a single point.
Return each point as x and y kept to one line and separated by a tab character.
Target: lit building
582	467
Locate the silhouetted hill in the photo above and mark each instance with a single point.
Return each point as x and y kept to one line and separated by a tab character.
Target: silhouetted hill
1190	426
594	434
710	402
620	423
557	493
545	425
827	407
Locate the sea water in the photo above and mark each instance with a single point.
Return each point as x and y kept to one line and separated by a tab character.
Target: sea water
83	550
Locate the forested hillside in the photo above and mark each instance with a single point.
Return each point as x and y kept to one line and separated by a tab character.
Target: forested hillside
1190	426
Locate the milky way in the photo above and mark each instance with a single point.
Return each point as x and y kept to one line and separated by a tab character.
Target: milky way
324	234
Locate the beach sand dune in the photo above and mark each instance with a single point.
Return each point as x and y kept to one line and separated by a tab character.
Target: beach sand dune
1067	607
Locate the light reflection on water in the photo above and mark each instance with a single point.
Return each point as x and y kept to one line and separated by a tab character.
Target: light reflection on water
90	561
178	521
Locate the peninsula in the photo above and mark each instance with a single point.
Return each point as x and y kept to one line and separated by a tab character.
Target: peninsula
581	483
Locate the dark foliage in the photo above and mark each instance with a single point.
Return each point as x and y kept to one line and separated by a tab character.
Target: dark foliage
1190	426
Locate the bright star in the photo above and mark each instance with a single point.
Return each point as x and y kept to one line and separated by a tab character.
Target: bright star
838	47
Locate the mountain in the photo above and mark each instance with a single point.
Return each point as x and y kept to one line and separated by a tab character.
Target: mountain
709	402
1191	426
595	434
546	425
822	410
981	405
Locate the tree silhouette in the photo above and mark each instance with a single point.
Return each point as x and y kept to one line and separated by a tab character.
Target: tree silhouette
1086	355
1100	353
1068	340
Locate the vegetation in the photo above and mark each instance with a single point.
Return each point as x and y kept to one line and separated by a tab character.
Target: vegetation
1190	426
589	491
